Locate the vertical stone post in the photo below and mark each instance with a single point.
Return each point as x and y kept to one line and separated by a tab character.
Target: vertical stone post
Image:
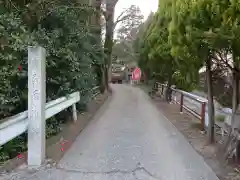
74	110
36	105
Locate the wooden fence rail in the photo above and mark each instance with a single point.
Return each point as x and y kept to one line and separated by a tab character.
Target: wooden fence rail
176	92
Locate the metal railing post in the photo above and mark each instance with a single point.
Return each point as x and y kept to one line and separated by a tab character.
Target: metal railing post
162	90
181	103
203	115
174	97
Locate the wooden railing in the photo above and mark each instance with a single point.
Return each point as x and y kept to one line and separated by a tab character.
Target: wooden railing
176	92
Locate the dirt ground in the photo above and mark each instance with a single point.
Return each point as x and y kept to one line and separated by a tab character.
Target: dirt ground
189	126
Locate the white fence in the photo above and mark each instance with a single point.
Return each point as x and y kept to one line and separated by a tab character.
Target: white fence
33	120
18	124
191	101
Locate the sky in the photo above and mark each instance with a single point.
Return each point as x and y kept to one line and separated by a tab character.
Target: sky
146	6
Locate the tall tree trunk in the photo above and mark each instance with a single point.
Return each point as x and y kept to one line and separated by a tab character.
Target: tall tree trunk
96	22
235	85
235	97
102	86
235	104
235	123
106	77
108	44
211	116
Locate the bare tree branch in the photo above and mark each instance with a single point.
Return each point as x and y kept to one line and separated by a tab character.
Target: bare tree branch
104	13
126	14
121	17
224	60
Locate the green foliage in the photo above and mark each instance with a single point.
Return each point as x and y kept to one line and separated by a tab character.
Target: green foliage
126	34
220	118
183	34
157	55
14	40
13	148
182	83
74	56
186	35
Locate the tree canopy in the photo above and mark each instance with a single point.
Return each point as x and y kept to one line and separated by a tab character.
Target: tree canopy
126	34
184	36
71	35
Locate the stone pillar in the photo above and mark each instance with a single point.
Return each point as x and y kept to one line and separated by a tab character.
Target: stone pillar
74	109
36	105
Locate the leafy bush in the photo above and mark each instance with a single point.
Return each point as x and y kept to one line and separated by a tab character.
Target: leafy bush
14	39
74	56
220	118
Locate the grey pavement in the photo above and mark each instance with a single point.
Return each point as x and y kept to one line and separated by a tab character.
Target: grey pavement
129	139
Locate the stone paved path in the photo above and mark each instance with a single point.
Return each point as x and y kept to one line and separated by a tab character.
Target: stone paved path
129	139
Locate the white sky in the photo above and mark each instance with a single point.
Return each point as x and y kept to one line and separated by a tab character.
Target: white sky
146	6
